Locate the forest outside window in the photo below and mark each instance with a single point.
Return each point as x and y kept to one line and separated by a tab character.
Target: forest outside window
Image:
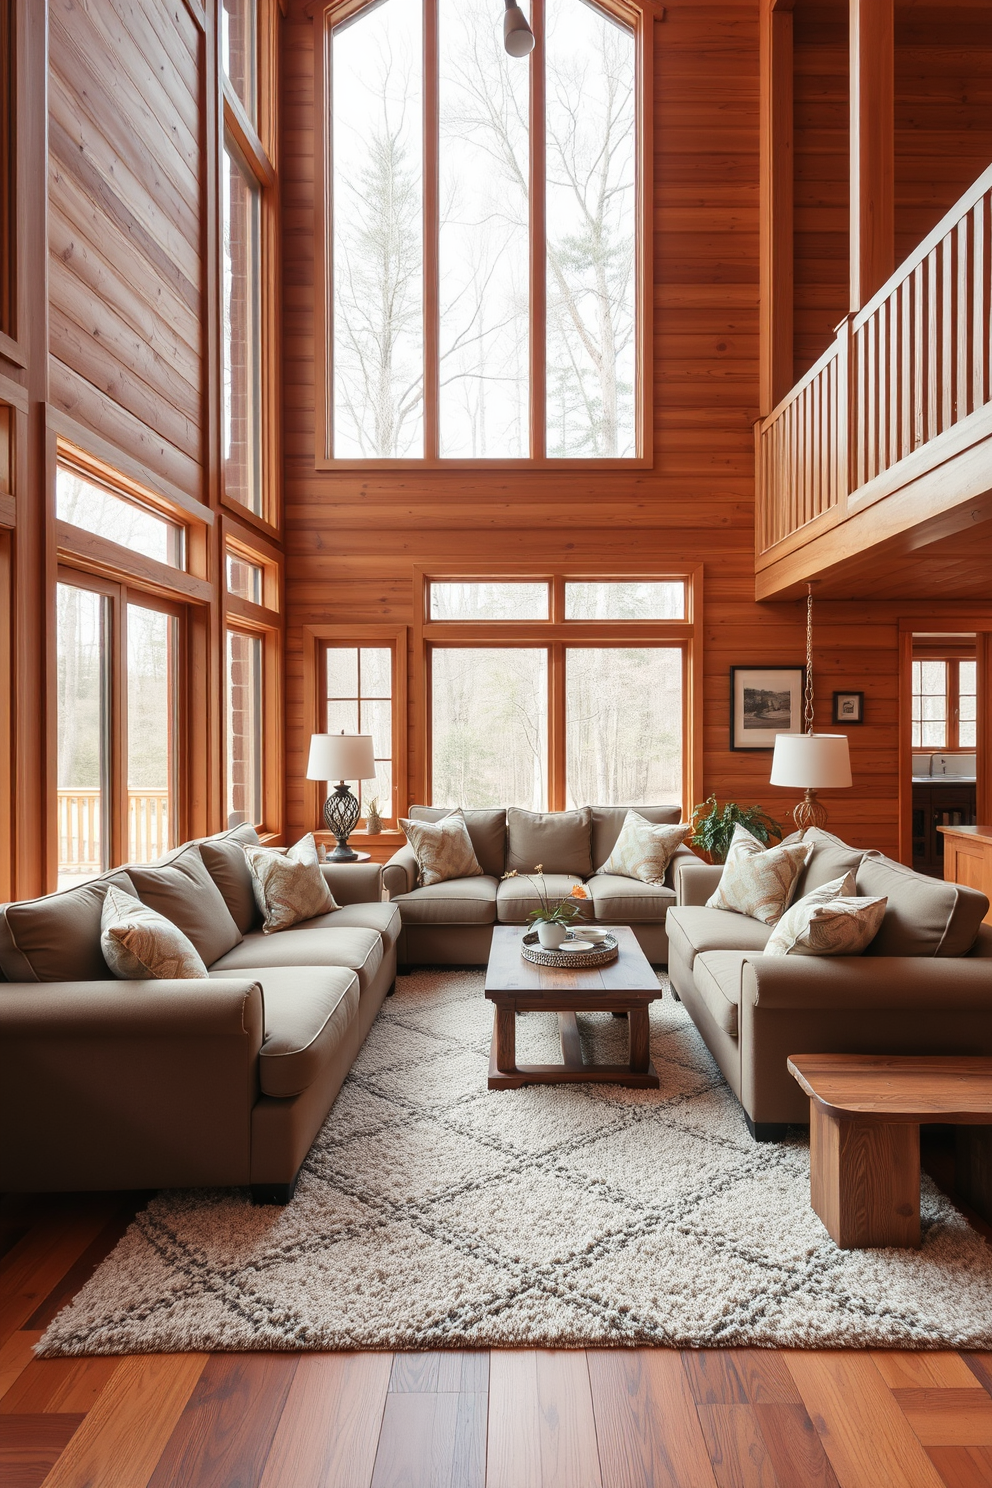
483	235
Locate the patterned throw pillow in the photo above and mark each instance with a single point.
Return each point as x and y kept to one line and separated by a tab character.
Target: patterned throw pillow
288	884
759	881
139	944
831	921
443	849
644	850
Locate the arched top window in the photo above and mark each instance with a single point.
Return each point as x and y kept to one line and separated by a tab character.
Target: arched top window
485	233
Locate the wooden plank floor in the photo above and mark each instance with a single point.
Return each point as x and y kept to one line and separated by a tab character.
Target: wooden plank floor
734	1418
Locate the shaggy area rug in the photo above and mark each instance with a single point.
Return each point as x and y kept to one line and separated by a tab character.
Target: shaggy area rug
432	1212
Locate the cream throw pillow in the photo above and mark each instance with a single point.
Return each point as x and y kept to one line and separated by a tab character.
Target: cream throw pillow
288	884
139	944
644	849
759	881
443	849
831	921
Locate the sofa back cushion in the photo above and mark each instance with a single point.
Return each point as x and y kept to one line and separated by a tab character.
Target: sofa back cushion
924	916
57	938
561	841
180	888
831	858
225	861
608	820
487	829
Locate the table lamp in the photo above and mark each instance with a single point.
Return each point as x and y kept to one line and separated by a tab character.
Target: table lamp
341	757
811	762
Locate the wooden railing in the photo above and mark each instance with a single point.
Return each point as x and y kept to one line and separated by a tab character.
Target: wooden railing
907	369
80	839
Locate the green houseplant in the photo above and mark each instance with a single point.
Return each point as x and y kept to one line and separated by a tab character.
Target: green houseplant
554	915
713	826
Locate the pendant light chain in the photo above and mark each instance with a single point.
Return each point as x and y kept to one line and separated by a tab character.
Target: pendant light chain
808	702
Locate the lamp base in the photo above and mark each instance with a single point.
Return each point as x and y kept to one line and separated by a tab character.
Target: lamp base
341	812
809	813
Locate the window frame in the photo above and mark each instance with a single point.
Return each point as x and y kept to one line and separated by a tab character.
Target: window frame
952	656
560	635
268	621
641	21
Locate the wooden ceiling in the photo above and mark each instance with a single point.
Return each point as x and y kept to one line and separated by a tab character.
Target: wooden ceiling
954	567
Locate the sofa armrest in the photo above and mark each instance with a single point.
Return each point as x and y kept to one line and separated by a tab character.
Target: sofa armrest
354	883
400	874
696	881
682	856
900	983
184	1007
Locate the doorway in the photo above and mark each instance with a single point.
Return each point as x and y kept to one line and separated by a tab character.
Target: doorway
944	741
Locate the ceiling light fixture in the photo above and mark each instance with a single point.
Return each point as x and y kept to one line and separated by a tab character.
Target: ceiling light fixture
518	38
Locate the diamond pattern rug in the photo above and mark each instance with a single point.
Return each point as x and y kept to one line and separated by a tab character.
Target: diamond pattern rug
432	1212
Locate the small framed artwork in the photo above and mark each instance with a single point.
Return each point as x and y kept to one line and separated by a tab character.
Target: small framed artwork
849	707
765	701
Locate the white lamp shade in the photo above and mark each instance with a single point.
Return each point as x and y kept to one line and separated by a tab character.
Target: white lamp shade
341	757
811	761
518	38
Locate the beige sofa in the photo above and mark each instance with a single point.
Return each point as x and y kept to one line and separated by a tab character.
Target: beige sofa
451	924
159	1084
923	986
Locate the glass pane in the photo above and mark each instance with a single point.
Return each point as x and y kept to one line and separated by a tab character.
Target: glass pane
490	727
342	671
967	676
623	726
238	50
591	209
968	708
83	746
380	790
484	237
97	510
625	601
917	736
151	733
377	672
378	351
244	579
241	346
342	717
968	735
917	676
376	718
244	728
489	602
934	735
934	677
934	707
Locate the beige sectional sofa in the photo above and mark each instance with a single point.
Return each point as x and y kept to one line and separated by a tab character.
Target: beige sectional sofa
923	986
451	924
107	1083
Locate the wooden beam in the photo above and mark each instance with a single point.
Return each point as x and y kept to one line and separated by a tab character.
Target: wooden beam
873	252
776	203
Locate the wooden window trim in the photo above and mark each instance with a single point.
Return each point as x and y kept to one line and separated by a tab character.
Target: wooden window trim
238	620
265	555
639	18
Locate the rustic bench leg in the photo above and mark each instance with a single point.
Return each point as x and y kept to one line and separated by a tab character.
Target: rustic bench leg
865	1180
640	1040
506	1040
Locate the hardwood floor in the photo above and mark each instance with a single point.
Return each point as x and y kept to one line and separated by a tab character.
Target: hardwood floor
733	1418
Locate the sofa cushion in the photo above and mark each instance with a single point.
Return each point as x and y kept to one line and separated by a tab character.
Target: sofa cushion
443	849
717	977
180	888
383	918
627	901
830	921
698	929
288	884
831	858
307	1012
560	840
759	881
924	916
487	829
460	901
227	865
644	849
607	821
354	950
57	938
140	944
516	897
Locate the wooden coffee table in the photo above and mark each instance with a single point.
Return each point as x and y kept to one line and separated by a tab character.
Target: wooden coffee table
864	1135
625	987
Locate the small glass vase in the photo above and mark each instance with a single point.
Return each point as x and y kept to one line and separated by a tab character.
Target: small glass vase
551	934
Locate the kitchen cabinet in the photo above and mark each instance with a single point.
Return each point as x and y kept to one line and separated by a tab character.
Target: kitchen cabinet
935	805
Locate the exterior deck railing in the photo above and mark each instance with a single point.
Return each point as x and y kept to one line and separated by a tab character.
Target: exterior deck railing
80	828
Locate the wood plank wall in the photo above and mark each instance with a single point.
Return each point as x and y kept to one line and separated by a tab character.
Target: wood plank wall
353	539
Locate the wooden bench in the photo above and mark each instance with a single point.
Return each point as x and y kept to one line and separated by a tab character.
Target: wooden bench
865	1116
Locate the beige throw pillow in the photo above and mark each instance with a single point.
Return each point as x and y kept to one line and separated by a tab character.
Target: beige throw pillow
443	849
288	884
759	881
644	850
138	943
831	921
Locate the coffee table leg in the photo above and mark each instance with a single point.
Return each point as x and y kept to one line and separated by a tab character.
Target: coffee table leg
865	1181
640	1040
505	1035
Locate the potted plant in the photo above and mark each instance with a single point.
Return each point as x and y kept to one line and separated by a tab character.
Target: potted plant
373	821
552	919
713	826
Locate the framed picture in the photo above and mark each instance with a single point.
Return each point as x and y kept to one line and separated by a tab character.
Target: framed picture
765	701
849	707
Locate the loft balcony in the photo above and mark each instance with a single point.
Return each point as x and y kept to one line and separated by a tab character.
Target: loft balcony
874	474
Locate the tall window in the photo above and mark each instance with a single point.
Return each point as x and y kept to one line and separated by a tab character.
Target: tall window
244	728
482	243
359	700
82	647
945	703
242	430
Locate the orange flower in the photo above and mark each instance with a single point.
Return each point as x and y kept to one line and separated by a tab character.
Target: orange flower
579	891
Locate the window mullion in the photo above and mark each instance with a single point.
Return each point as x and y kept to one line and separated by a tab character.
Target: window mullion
431	227
556	727
538	276
117	762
